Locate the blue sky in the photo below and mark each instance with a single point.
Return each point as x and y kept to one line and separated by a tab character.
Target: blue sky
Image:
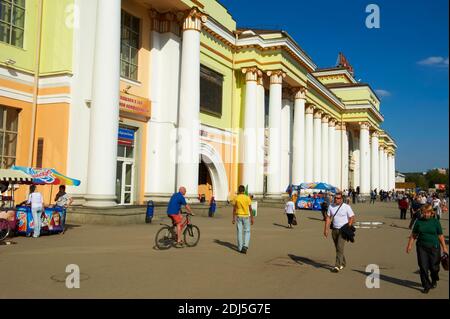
407	58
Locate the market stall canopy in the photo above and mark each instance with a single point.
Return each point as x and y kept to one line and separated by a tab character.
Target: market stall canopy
15	177
318	186
47	176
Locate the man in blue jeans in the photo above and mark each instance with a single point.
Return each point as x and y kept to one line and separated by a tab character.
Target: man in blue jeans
242	217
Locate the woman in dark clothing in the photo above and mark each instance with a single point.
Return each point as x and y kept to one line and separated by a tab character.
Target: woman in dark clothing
428	233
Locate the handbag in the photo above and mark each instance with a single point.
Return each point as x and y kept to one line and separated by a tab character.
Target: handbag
444	261
294	220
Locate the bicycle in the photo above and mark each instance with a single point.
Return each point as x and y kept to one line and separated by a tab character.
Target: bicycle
166	237
4	229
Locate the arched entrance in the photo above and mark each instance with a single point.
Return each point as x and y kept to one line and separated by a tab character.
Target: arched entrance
213	178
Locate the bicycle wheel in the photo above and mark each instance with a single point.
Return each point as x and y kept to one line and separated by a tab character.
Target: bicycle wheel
191	235
4	229
164	238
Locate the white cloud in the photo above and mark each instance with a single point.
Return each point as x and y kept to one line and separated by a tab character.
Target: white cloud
383	93
435	61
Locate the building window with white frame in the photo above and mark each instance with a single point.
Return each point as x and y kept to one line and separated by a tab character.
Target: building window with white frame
129	46
12	22
9	123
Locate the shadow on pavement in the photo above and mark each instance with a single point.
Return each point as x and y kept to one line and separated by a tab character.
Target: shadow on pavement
226	244
275	224
396	226
397	281
303	260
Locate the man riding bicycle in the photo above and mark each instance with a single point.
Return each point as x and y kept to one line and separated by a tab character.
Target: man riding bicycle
174	211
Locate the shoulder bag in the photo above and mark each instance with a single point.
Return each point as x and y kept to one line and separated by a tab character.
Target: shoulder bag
332	218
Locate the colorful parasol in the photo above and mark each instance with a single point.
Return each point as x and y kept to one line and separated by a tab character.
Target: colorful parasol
47	176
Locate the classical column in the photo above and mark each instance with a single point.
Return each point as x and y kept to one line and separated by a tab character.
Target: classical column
250	124
385	169
389	170
364	148
324	150
260	120
334	153
104	118
374	179
274	167
309	140
286	112
317	162
393	170
298	156
345	156
381	168
189	122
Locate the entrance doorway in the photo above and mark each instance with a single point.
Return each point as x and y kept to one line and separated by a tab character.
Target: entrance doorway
205	187
125	192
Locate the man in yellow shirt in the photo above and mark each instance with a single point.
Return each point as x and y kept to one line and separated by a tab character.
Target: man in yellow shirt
242	217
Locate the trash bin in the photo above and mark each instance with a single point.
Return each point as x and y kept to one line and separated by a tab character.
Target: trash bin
149	213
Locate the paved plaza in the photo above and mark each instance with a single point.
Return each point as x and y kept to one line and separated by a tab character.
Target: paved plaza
120	261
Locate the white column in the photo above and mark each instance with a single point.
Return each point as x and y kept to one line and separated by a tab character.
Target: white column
274	167
164	70
345	156
250	124
189	122
389	171
364	148
324	150
298	156
317	162
334	154
393	170
375	163
385	170
286	112
260	120
309	141
381	168
104	121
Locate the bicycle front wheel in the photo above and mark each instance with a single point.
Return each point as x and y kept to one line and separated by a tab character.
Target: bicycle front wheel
164	238
191	235
4	229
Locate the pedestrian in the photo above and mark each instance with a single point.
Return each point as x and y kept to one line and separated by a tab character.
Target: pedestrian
403	206
430	239
339	215
416	210
289	209
243	218
324	208
37	204
354	194
436	202
373	197
212	207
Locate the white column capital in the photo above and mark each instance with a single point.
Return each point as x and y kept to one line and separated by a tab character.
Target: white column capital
193	19
276	76
309	109
325	118
252	74
332	122
364	125
375	134
260	80
300	93
381	148
318	114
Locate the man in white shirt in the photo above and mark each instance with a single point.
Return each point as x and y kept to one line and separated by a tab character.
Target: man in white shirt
338	215
289	209
436	202
37	206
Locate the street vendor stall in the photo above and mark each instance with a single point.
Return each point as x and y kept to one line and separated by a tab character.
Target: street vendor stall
53	217
313	201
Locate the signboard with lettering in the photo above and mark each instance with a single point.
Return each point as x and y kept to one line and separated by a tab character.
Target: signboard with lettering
126	137
134	106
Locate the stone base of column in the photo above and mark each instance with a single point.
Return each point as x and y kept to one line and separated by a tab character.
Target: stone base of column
258	196
273	196
157	197
100	201
78	199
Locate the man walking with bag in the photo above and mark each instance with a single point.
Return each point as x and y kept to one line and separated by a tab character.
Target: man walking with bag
339	215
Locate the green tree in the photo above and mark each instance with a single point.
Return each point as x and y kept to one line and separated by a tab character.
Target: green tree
417	178
434	177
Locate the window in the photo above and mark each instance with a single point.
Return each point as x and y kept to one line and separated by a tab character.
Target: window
211	84
12	21
129	46
8	136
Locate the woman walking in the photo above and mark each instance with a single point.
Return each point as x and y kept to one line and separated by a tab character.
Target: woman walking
289	209
35	199
428	233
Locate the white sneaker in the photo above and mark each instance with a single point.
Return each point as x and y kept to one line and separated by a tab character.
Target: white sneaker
335	269
341	267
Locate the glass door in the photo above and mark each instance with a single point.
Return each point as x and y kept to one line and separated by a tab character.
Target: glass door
125	166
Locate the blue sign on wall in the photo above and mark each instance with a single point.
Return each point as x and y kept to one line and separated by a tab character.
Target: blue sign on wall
126	134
